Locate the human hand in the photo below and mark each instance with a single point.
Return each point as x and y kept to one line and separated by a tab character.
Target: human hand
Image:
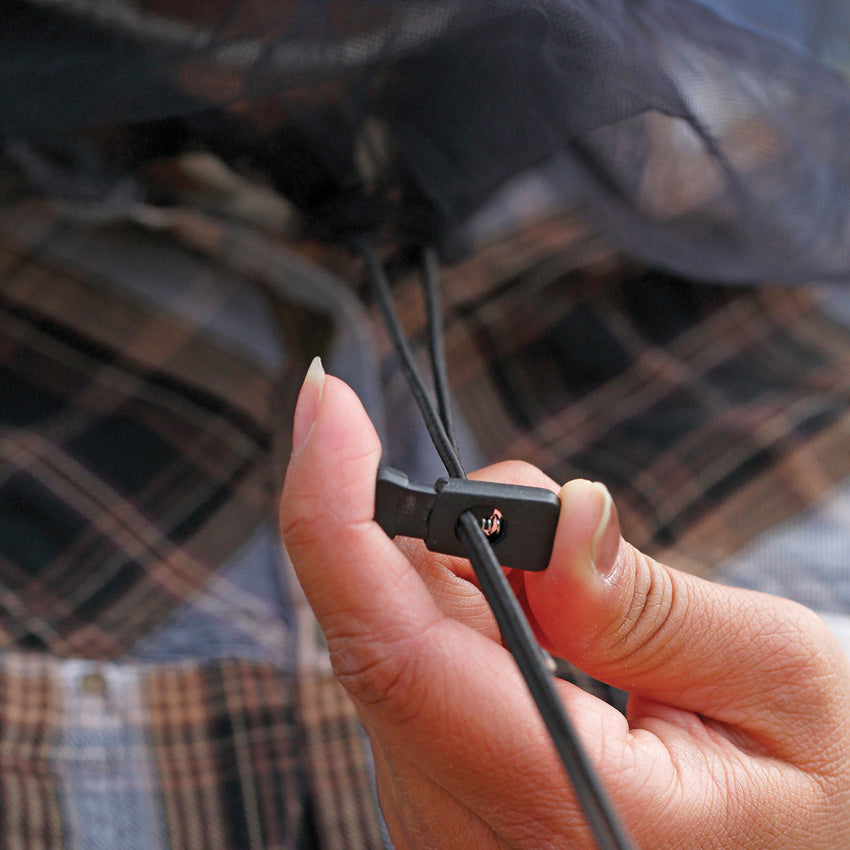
736	734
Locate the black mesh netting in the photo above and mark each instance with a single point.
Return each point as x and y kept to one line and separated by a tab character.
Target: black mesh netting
708	136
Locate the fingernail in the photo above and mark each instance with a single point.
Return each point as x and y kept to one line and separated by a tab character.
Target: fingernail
307	406
605	542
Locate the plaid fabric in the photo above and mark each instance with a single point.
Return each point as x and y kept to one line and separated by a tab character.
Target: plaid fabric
114	463
161	680
191	756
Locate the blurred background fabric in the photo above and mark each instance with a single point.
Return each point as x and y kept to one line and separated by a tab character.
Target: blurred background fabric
702	136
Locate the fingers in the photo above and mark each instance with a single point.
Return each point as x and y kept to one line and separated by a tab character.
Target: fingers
352	574
732	655
722	678
445	702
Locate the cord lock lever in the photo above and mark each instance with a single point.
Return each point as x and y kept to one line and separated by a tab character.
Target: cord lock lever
519	522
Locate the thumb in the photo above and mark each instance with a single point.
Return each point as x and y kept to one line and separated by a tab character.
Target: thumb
765	665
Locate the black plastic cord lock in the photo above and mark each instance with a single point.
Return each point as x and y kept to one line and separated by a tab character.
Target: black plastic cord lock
520	522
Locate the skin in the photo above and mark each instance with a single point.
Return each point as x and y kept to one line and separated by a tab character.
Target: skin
736	734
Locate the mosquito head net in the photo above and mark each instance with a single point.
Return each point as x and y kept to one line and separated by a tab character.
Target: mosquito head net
705	136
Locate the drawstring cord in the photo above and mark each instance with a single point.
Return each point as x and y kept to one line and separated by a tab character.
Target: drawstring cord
516	632
437	421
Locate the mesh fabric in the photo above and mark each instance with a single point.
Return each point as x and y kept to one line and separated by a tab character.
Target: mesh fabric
705	136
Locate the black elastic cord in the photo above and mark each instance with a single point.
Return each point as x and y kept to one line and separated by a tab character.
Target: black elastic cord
434	309
520	640
433	422
516	633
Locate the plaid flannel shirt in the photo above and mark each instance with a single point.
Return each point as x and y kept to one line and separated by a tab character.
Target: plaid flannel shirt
162	681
